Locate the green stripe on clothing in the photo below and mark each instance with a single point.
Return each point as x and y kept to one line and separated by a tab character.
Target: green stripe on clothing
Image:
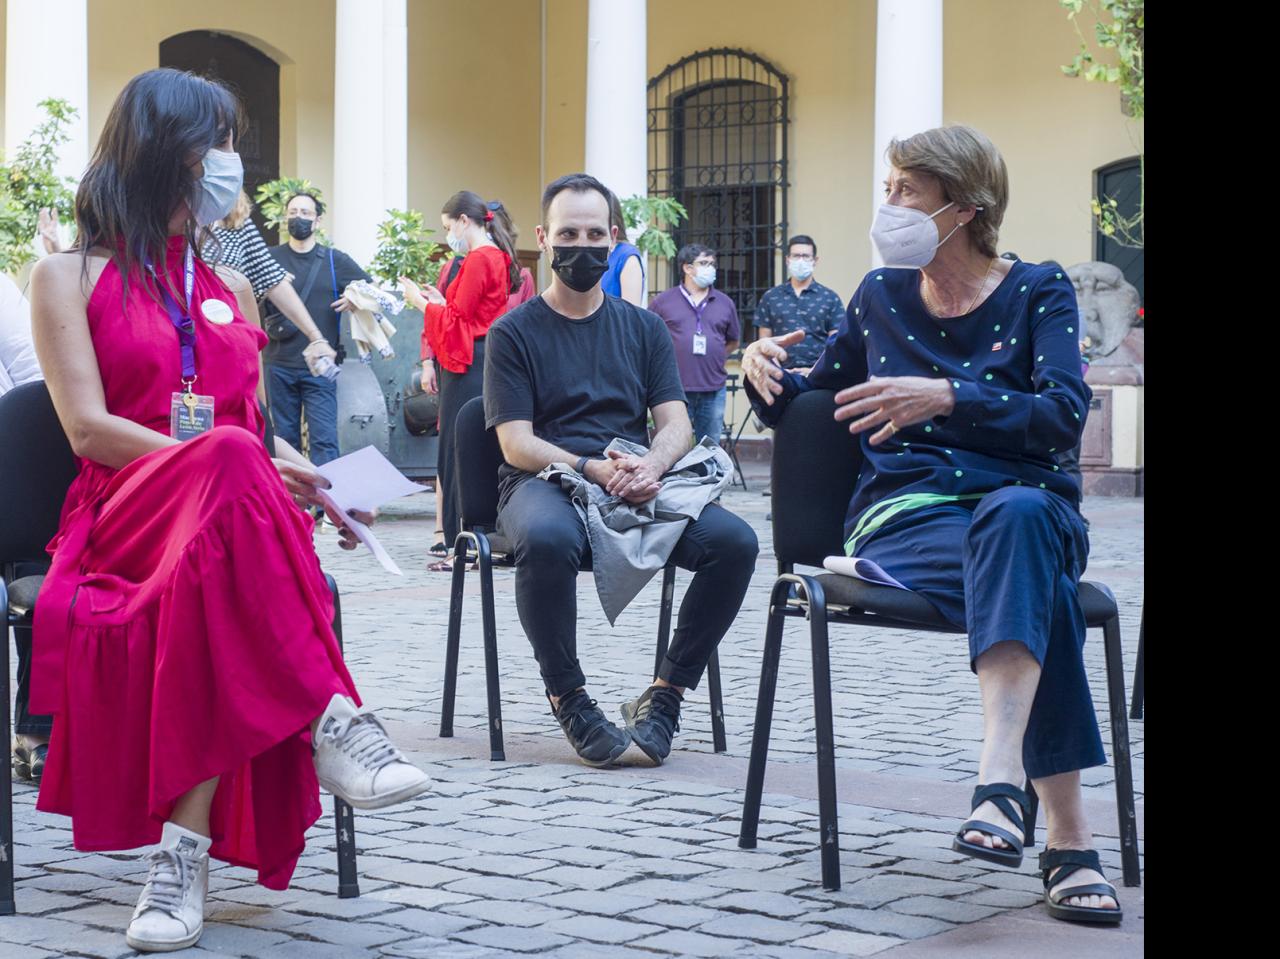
878	514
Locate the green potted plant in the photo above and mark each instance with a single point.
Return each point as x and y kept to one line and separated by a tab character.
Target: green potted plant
406	249
649	218
29	183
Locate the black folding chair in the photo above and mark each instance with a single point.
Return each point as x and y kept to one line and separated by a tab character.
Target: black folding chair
815	467
478	457
35	472
1139	679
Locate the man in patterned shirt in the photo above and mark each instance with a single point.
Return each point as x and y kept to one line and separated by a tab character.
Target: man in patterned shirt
802	303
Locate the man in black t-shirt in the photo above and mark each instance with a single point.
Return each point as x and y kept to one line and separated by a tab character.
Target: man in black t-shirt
566	373
322	273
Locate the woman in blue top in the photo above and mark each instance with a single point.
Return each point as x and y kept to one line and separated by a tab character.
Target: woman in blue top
961	372
625	275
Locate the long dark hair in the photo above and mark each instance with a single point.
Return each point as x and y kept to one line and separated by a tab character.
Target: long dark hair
139	171
496	221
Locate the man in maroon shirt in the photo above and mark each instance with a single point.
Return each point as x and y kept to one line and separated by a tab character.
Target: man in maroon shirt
704	328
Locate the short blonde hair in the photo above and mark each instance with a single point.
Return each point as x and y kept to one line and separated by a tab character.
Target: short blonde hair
971	170
239	213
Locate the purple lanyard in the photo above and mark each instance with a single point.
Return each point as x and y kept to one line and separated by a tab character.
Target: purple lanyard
698	309
182	321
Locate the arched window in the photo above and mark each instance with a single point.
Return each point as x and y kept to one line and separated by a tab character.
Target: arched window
255	79
718	144
1122	182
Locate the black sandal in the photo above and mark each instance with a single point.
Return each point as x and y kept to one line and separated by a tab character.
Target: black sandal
439	548
1061	864
1024	818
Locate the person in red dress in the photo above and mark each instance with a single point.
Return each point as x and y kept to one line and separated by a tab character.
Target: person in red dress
182	637
449	270
455	324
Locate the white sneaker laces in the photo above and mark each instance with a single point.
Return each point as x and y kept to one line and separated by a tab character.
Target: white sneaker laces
366	742
171	876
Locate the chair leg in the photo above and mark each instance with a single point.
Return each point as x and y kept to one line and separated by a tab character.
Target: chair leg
1029	827
7	905
497	752
1128	820
717	703
453	637
1139	686
824	733
664	617
343	815
764	715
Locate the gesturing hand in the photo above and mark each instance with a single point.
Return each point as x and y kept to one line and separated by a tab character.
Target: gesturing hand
896	401
762	363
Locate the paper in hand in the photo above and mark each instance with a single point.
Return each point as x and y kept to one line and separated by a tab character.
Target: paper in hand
364	480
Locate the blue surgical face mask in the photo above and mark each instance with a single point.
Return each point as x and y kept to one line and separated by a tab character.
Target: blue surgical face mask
704	276
800	269
217	191
457	244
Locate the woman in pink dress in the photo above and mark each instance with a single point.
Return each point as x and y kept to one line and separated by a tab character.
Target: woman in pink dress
182	638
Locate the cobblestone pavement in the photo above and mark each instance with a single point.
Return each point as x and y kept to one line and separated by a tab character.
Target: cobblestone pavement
541	855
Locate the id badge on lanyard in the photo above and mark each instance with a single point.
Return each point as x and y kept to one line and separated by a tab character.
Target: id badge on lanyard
190	413
699	338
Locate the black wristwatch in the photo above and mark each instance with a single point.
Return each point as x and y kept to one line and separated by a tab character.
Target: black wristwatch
582	464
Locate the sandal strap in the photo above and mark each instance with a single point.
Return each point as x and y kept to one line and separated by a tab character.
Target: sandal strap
992	829
999	794
1051	859
1058	865
1090	889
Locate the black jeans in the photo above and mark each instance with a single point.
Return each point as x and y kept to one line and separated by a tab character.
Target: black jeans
23	722
455	390
549	542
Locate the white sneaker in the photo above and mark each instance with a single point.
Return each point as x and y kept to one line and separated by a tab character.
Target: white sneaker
170	913
357	762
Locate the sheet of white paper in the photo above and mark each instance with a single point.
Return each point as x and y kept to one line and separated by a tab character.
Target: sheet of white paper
862	569
365	480
365	535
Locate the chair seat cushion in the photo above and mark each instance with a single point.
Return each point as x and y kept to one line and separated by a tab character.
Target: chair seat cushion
1096	600
899	604
22	597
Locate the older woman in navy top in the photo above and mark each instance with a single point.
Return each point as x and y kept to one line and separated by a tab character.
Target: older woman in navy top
960	371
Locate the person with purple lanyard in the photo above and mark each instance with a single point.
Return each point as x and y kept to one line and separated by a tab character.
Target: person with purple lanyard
704	328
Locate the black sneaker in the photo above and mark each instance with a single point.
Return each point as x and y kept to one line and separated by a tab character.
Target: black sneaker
653	719
598	741
28	761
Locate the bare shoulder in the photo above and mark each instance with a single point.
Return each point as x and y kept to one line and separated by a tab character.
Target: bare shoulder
67	276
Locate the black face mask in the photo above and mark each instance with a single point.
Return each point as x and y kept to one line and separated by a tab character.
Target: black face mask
580	267
300	227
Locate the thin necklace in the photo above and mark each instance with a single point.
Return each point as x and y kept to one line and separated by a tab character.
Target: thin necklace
932	307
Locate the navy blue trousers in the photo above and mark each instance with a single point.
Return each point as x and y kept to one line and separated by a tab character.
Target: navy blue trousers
1007	569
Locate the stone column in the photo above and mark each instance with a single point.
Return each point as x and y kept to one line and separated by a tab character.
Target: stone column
47	56
370	117
908	78
617	114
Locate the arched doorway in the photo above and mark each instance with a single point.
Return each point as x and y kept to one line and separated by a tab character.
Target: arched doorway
718	144
255	78
1121	181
